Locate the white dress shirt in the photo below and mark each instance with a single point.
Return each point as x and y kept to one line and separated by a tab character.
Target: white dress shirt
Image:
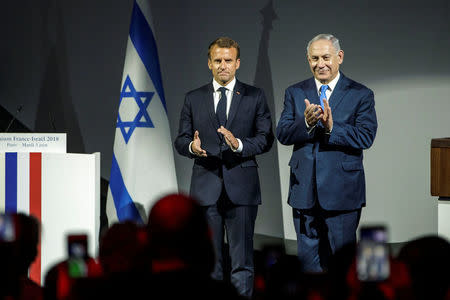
217	94
331	86
229	92
328	92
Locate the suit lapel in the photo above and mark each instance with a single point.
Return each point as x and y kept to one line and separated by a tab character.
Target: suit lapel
209	100
236	99
311	92
339	91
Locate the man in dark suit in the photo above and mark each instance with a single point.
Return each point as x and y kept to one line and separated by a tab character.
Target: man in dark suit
327	184
223	126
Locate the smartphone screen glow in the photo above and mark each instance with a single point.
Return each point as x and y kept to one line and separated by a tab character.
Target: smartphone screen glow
373	254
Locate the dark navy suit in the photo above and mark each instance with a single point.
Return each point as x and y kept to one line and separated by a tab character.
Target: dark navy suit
327	175
225	175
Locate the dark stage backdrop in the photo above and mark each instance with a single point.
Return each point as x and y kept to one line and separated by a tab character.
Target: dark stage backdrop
62	60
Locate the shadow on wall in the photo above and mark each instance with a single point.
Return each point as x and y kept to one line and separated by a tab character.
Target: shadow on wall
55	109
10	123
268	162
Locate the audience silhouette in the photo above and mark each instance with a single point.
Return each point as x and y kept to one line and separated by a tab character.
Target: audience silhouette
181	250
18	249
172	257
123	248
428	262
26	250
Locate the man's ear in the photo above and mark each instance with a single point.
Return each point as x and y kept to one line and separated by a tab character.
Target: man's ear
341	56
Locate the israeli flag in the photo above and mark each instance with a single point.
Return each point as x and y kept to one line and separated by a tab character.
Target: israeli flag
143	168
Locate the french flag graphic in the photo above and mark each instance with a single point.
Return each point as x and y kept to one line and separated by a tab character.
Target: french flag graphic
61	190
21	187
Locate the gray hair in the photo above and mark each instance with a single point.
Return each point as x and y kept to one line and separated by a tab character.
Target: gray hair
325	36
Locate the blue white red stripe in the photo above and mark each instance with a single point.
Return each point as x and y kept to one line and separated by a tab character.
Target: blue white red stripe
20	191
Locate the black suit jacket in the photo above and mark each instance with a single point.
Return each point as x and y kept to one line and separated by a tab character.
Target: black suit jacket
249	120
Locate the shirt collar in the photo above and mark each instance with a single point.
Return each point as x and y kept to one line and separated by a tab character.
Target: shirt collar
331	84
229	86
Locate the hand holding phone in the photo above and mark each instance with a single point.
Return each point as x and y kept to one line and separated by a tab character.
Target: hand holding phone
373	254
7	228
77	248
77	245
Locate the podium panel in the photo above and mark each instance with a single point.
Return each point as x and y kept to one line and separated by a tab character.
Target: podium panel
440	182
440	167
62	190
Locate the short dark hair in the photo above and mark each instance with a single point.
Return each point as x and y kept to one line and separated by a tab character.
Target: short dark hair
224	42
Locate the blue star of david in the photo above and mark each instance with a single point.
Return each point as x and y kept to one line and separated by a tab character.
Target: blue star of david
142	118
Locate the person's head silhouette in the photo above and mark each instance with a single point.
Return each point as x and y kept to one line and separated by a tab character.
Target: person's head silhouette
179	235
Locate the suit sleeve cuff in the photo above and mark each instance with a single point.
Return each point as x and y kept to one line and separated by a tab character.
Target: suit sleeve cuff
190	148
309	128
240	147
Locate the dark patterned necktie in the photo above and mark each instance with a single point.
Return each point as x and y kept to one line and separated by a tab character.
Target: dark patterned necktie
221	111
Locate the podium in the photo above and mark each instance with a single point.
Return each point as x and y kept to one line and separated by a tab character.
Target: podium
440	182
60	189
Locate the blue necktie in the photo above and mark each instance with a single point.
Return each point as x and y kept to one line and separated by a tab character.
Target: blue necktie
323	95
221	111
